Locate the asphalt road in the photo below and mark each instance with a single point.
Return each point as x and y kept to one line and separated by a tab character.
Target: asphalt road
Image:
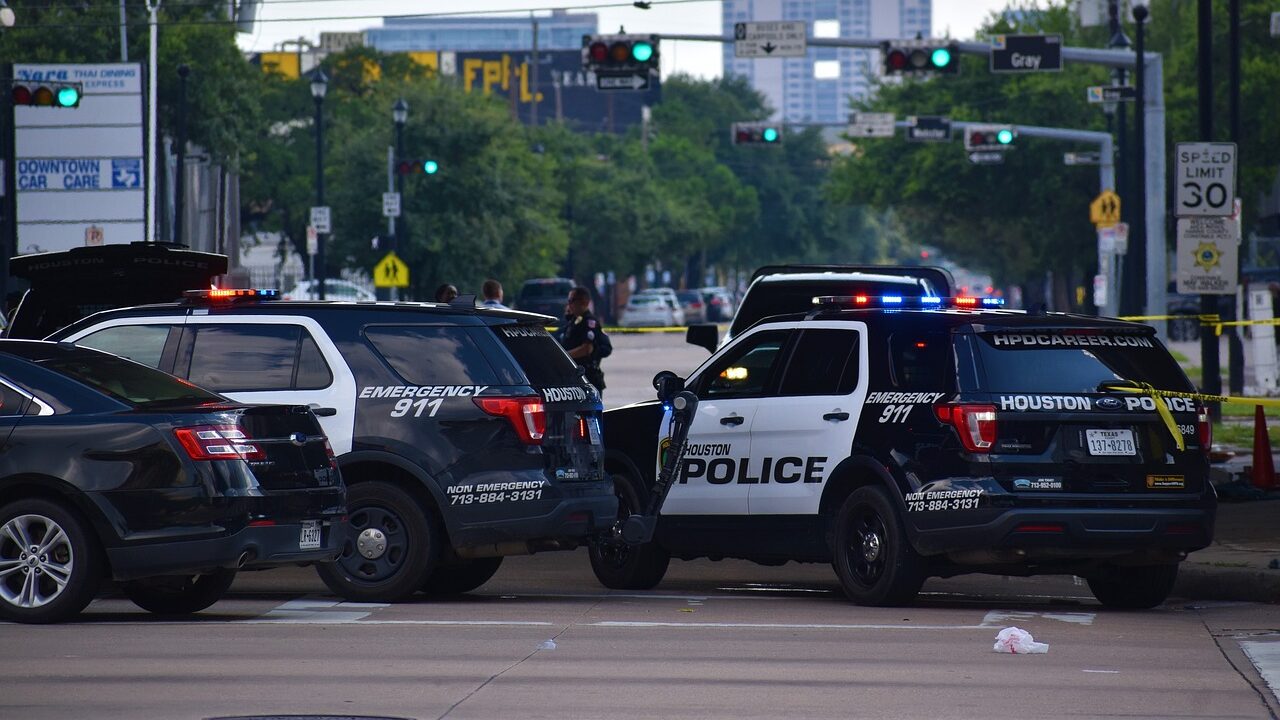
715	639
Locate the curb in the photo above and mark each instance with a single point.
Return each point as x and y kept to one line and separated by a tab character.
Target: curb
1197	581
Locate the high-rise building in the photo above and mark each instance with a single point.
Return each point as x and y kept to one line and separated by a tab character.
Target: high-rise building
817	88
558	31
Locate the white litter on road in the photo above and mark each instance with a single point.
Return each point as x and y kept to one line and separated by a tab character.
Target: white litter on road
1018	642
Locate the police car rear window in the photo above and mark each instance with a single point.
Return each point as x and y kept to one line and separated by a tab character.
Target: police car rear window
428	355
1074	361
538	354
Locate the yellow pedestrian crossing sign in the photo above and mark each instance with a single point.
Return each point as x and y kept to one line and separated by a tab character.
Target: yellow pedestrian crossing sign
1104	211
391	272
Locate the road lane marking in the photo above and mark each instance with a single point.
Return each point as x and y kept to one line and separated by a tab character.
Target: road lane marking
1265	656
1000	618
1106	672
773	626
338	619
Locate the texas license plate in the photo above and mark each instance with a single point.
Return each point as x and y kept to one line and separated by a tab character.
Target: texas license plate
1110	442
310	537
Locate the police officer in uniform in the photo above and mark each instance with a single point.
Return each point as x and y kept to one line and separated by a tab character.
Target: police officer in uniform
578	335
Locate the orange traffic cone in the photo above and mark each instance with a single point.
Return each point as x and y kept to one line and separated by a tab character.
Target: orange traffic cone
1264	468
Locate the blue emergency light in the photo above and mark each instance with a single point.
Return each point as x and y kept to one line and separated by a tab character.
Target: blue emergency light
898	301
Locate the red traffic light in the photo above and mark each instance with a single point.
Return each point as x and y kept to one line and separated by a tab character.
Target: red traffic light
979	138
896	59
404	167
21	95
598	52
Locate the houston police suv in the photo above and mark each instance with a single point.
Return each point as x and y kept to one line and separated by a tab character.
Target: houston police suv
463	434
902	438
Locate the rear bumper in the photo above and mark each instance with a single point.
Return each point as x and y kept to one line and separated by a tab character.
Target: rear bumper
1077	533
592	508
253	547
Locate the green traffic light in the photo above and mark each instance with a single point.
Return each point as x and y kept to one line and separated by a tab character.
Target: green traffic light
430	167
1004	137
770	135
68	97
642	51
940	58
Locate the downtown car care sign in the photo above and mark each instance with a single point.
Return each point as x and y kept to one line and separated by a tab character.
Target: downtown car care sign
80	168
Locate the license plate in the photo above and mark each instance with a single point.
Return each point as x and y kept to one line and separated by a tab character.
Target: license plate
310	537
1110	442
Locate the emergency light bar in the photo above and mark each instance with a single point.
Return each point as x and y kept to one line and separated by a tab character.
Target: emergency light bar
231	294
897	301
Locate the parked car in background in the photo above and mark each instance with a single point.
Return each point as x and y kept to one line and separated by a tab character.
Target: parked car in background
693	305
719	303
114	470
544	295
652	308
333	290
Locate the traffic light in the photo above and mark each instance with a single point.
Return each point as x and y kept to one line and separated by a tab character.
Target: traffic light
417	167
755	133
920	56
46	94
619	52
989	137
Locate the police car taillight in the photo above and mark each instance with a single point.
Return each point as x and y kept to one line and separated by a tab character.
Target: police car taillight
215	295
218	442
1204	430
976	424
526	414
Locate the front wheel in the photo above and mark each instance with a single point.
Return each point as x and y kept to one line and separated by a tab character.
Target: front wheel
1133	588
872	557
619	565
391	548
460	577
49	563
179	594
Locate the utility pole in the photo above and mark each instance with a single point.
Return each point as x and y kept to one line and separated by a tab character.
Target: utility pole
1143	254
1211	379
1235	347
180	172
1130	290
533	72
153	6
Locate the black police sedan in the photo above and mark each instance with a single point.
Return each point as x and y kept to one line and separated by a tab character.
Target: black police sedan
111	469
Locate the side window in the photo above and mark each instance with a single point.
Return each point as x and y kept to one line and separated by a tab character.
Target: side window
140	343
919	361
13	402
825	362
745	371
430	355
246	358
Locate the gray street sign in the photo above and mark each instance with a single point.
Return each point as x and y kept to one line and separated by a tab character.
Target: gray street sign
1082	158
1111	93
1026	53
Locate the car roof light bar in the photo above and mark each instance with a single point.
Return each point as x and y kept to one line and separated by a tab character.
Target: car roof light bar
898	301
212	295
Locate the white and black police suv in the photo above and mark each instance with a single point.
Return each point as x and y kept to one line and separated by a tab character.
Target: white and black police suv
901	439
463	434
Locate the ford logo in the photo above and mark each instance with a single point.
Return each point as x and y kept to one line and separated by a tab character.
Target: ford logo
1022	484
1109	403
298	439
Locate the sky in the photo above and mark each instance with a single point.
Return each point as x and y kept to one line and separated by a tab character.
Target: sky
701	17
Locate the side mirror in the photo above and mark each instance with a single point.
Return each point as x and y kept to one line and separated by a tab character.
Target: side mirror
667	384
705	335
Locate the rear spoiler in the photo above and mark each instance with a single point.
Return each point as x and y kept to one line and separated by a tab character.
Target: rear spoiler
940	278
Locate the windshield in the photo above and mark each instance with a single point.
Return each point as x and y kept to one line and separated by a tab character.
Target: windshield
126	380
766	299
1075	362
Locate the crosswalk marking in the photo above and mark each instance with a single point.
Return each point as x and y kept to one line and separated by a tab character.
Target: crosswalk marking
1001	618
1266	657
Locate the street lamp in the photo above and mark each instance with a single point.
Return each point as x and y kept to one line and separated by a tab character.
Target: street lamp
7	18
319	86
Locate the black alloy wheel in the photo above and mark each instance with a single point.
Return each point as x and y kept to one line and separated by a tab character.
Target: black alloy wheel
391	548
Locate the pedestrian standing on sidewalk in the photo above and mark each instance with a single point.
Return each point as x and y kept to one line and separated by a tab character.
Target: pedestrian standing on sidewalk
492	293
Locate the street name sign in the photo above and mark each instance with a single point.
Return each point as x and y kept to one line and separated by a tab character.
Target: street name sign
1204	179
1026	53
637	80
769	39
391	272
391	204
1082	158
928	128
866	124
986	157
1207	252
320	219
1111	93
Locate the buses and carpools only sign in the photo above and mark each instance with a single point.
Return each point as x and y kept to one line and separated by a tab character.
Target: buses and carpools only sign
81	167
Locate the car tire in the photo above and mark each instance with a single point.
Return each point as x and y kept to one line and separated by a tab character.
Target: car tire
67	551
619	565
391	549
1133	588
461	577
179	594
872	556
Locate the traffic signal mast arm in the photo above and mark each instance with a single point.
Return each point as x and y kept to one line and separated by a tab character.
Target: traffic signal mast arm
1155	150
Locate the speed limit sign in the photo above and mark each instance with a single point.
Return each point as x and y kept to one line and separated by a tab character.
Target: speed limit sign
1205	179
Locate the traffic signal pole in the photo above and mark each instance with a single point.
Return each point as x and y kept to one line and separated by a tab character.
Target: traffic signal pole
1151	146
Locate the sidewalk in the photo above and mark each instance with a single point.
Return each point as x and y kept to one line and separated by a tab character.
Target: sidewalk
1243	563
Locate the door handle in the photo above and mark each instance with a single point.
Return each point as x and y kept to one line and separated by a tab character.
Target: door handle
732	420
324	411
836	416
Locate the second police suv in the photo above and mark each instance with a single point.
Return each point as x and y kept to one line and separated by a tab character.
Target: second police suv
902	438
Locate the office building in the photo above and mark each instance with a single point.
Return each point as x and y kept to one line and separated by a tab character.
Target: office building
560	30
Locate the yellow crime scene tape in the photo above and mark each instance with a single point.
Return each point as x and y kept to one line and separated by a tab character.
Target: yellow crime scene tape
1163	410
1214	321
632	330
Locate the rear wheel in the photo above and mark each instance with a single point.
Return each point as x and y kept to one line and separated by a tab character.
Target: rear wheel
49	563
179	594
391	548
461	576
622	566
1133	588
872	557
